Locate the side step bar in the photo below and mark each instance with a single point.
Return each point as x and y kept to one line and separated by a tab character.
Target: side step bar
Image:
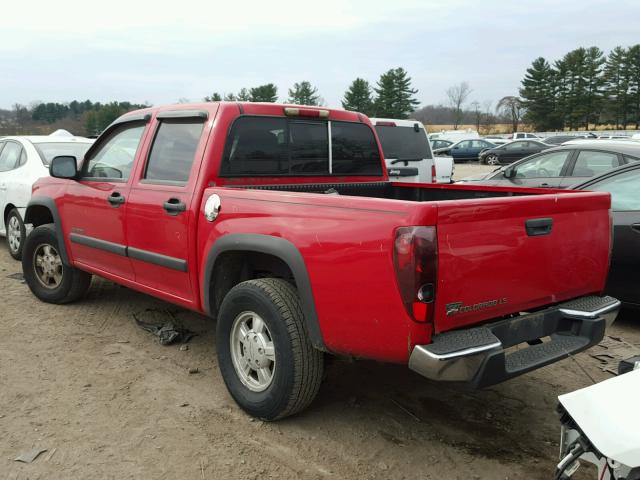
478	356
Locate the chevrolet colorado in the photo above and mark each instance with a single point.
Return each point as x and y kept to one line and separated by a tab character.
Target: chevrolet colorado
280	222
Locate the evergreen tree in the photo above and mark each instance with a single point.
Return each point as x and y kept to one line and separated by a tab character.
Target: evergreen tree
244	95
594	83
358	97
264	93
633	68
395	97
230	97
617	79
215	97
538	96
303	93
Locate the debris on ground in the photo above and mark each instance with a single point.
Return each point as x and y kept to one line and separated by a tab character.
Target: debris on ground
16	276
184	348
611	351
193	370
164	325
30	456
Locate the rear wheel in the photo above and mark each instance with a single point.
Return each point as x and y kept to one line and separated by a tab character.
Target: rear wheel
264	353
492	159
46	275
15	233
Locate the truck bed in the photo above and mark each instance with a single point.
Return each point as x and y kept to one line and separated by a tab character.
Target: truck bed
501	251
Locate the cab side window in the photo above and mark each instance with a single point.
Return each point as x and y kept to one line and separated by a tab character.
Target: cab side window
113	159
10	156
173	151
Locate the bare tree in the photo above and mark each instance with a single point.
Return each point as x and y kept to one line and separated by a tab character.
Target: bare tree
456	96
512	107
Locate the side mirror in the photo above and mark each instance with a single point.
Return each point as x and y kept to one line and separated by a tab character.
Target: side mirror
509	173
64	166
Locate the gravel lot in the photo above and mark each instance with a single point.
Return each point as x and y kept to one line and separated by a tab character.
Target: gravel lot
107	401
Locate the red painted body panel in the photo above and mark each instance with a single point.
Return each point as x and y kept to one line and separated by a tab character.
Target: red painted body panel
347	242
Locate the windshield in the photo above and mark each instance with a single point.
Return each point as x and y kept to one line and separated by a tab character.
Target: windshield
403	143
48	151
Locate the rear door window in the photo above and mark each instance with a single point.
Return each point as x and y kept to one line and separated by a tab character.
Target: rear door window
10	156
623	188
355	151
173	151
590	163
405	143
274	146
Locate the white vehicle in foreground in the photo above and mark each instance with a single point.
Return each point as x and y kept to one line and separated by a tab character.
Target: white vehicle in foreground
408	154
23	160
600	426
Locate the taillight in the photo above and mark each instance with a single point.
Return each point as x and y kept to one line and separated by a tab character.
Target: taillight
433	174
415	260
385	124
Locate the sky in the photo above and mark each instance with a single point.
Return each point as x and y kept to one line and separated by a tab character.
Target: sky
142	51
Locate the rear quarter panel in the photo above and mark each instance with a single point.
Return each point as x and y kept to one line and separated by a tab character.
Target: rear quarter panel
347	246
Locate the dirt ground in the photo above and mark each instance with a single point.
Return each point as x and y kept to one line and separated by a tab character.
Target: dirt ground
108	401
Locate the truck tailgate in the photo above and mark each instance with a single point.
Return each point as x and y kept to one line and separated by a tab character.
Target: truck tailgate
506	255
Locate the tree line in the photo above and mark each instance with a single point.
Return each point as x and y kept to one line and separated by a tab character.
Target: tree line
585	87
81	117
392	95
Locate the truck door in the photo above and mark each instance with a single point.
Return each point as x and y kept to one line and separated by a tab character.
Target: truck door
93	210
160	223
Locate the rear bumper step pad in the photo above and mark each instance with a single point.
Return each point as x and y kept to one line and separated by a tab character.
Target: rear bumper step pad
478	355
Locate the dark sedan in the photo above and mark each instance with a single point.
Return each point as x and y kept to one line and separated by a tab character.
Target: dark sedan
561	167
465	150
623	183
512	151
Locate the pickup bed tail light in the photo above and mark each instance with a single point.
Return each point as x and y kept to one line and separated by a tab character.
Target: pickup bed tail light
415	261
306	112
433	174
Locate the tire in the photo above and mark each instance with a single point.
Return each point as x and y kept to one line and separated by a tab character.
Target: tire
492	160
16	233
291	368
48	278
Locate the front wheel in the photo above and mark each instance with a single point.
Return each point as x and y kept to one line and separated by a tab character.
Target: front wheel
16	233
264	353
46	275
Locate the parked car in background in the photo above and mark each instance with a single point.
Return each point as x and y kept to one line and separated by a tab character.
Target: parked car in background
435	144
623	184
522	135
23	160
563	166
408	154
496	140
465	150
512	151
560	139
454	135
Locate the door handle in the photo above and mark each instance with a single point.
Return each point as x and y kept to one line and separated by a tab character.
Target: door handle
174	206
636	227
115	199
538	226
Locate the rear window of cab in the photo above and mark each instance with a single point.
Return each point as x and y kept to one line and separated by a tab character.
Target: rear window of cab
276	146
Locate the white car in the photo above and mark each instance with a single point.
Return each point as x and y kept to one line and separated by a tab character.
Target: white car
408	154
23	160
455	135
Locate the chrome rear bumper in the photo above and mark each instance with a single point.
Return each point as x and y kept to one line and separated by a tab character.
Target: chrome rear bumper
478	355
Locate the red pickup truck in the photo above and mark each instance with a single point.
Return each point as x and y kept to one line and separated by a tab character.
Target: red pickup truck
280	222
